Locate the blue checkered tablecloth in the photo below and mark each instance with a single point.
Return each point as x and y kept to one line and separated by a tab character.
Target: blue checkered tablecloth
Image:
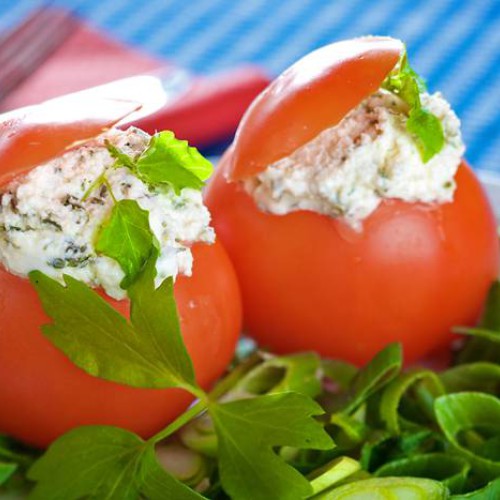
454	44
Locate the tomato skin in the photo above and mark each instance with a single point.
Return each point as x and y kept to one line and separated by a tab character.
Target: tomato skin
309	282
43	394
35	134
313	94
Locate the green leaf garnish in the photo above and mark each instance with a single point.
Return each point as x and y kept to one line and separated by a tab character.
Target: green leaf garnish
167	160
428	132
146	352
122	159
154	315
105	463
127	238
423	125
97	462
248	430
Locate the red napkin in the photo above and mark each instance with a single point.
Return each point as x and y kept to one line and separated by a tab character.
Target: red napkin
85	59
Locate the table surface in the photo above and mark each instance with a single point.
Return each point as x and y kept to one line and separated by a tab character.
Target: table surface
454	44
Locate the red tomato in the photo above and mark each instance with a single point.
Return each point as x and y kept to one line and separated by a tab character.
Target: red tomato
310	96
43	394
35	134
309	281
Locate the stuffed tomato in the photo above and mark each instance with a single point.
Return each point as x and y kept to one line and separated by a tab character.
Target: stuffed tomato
57	196
348	211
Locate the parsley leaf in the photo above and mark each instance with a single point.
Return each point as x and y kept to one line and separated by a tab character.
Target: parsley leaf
149	352
249	429
100	462
154	314
127	238
106	463
167	160
428	132
423	125
122	159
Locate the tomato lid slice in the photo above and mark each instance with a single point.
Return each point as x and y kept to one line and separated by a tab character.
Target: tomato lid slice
313	94
33	135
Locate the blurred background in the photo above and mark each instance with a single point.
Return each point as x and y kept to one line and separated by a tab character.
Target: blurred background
454	44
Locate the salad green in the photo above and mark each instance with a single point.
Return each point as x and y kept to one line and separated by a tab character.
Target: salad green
425	127
275	427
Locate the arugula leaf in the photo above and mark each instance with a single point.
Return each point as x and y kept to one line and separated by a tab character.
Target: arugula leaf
167	160
100	462
378	372
425	127
405	82
147	353
127	238
449	469
248	430
471	413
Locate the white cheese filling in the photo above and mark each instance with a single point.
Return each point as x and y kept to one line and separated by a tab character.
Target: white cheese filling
348	169
45	225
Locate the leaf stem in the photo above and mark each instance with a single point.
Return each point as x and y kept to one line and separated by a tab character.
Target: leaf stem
193	411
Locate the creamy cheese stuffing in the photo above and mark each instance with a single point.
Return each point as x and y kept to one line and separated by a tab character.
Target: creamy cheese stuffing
46	225
347	170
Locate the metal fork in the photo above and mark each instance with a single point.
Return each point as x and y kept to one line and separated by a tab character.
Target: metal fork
24	48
